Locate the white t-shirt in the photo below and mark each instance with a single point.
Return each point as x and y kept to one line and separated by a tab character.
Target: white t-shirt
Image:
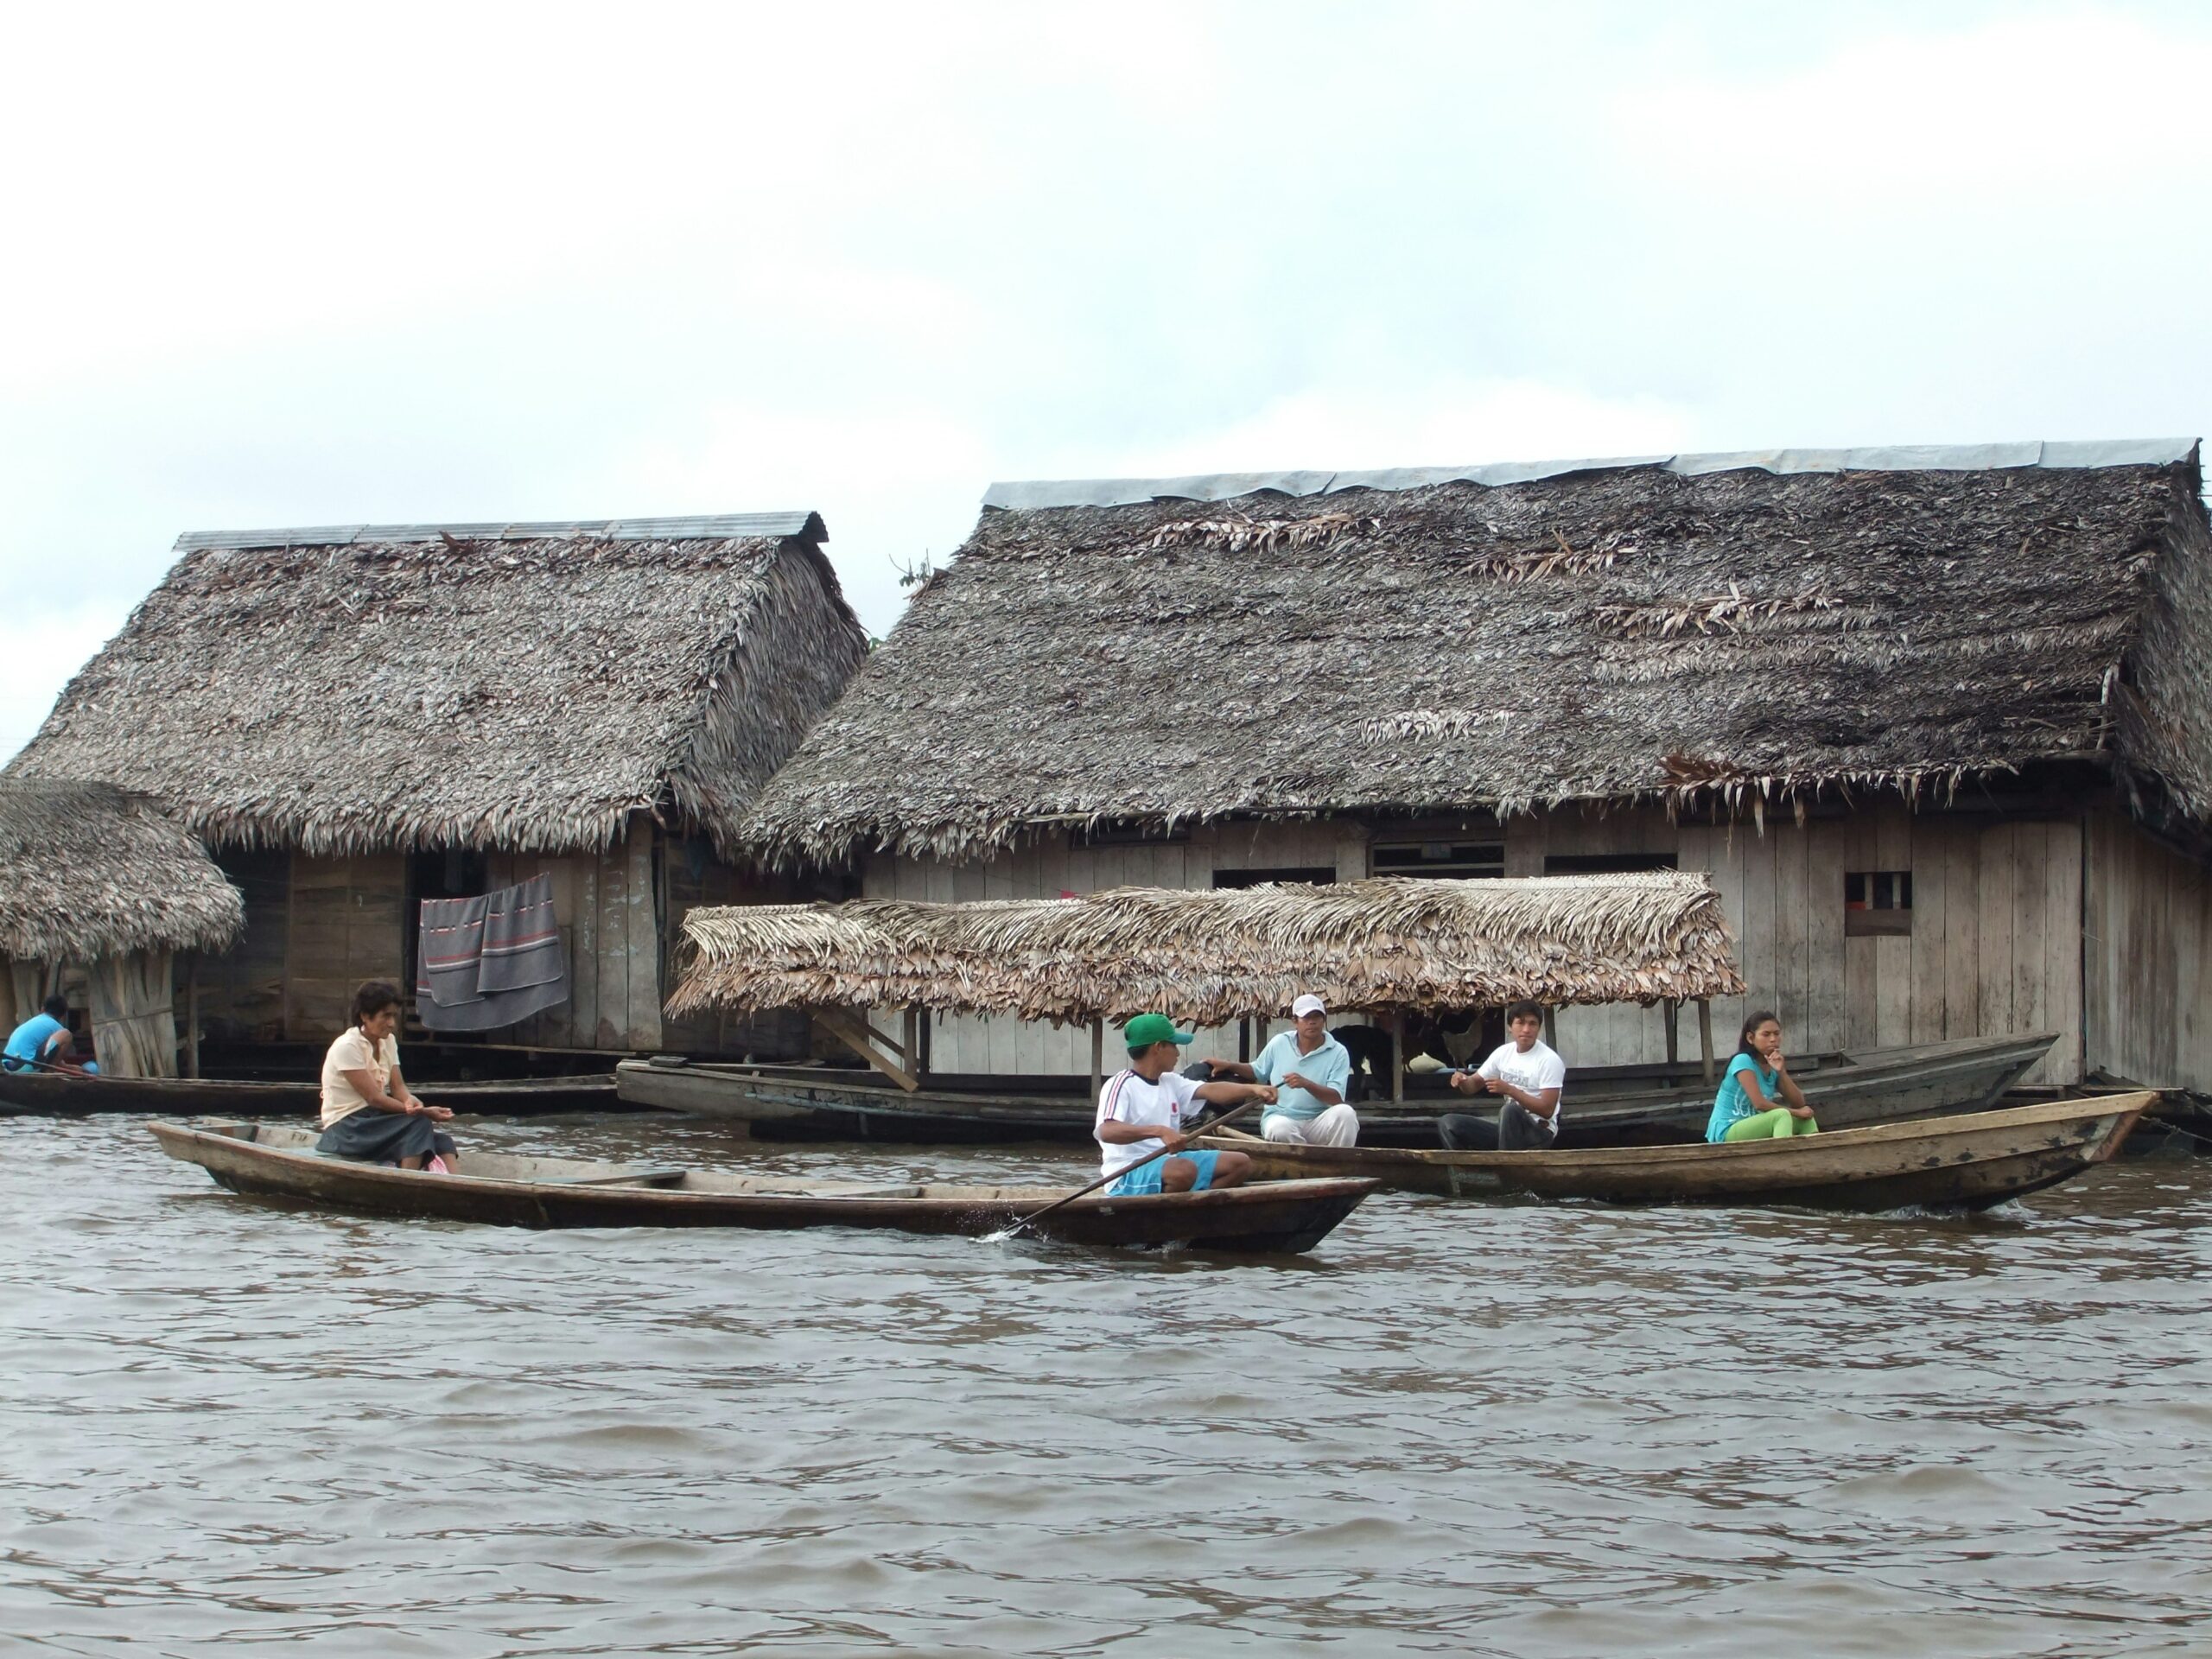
1128	1098
1540	1069
352	1053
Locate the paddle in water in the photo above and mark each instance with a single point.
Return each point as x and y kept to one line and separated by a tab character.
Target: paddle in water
1004	1233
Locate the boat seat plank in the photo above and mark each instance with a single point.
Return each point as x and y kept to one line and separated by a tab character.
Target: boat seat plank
643	1176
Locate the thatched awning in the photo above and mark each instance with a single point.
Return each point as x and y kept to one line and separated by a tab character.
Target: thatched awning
1493	639
89	871
1214	955
526	687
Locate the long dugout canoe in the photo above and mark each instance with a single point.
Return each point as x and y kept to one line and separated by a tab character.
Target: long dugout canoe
825	1103
278	1161
1970	1161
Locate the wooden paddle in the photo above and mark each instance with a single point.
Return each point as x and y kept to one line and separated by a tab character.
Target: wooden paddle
1057	1203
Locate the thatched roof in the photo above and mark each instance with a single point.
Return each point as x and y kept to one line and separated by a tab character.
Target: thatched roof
1497	639
1218	955
523	686
87	870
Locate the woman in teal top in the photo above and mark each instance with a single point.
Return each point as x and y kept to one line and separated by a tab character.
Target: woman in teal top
1758	1098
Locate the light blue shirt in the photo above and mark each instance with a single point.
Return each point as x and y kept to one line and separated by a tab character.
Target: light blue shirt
1330	1065
31	1040
1731	1105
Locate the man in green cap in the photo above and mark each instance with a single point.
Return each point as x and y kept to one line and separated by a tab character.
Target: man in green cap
1141	1108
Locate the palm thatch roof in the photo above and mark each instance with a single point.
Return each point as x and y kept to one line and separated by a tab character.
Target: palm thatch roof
523	686
1758	628
87	870
1219	955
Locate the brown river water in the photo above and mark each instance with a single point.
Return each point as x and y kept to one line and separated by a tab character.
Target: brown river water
1504	1429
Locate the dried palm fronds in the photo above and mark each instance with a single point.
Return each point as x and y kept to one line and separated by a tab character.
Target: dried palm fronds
87	870
448	688
1262	535
1217	955
1497	645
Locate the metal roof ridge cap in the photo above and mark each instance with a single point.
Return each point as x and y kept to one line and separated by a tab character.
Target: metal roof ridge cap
730	525
1031	494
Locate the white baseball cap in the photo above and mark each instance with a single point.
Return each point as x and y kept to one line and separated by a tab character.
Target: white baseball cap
1307	1004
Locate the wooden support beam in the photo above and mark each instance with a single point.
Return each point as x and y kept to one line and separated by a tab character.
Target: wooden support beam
1705	1034
1397	1053
192	1015
1097	1059
1551	1026
910	1047
856	1034
1674	1008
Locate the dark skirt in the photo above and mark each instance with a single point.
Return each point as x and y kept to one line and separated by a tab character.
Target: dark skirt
373	1137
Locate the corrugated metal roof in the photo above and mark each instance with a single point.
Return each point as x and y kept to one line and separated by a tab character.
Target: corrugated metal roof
1223	487
729	526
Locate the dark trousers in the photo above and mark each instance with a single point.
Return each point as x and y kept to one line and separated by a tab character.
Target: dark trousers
1516	1129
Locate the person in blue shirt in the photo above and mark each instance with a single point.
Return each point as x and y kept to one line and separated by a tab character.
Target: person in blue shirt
1312	1073
43	1041
1758	1098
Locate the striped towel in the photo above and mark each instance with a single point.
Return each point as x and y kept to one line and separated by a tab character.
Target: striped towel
491	961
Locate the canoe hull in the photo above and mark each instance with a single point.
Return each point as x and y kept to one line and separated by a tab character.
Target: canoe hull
30	1094
818	1103
1970	1161
1274	1218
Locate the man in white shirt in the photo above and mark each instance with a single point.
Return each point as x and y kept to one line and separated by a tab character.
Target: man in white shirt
1141	1109
1530	1074
1312	1073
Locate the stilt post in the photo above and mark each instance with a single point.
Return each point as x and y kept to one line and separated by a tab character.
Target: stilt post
192	1015
1097	1059
1397	1054
1674	1008
1705	1034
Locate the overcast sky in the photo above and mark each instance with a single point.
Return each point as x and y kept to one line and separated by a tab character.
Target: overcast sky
334	264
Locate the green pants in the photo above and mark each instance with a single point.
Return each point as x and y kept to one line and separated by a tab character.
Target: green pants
1777	1125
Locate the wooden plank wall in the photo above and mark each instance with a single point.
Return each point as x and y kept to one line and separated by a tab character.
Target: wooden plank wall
344	926
692	875
608	906
1996	944
969	1043
242	990
2148	938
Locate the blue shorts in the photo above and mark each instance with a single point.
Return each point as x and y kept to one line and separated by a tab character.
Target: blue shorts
1139	1182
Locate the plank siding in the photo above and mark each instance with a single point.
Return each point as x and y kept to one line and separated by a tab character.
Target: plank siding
1997	921
2149	930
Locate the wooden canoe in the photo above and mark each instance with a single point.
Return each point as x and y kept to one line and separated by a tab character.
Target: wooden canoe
275	1160
51	1094
829	1103
1972	1161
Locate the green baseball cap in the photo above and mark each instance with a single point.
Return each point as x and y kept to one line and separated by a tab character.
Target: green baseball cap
1149	1028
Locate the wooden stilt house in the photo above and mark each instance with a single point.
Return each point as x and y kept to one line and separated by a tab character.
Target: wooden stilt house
356	719
1938	722
99	891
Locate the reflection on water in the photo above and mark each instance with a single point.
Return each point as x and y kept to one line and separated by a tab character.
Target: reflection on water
1513	1430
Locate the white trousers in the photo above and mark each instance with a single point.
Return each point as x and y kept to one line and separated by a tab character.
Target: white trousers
1337	1127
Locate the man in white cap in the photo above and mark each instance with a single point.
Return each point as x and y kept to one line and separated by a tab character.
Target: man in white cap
1311	1071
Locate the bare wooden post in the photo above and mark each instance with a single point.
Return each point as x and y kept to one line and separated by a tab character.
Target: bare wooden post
1097	1059
910	1048
1674	1034
192	1015
1245	1039
1705	1033
1397	1054
1551	1026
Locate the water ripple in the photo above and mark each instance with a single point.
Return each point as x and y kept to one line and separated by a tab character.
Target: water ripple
1517	1430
